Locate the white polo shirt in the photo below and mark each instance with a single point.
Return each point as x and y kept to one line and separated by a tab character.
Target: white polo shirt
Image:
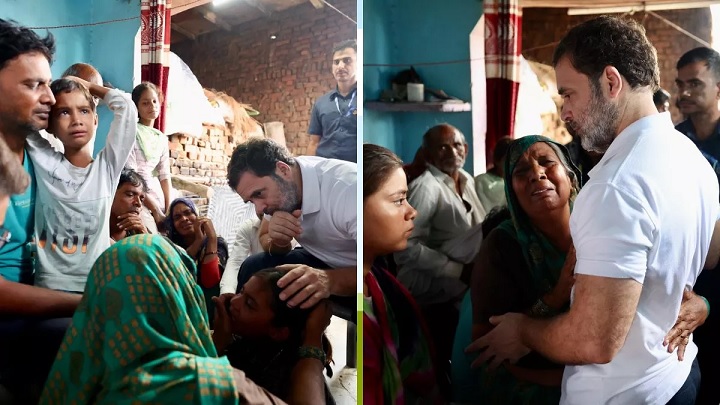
648	214
329	210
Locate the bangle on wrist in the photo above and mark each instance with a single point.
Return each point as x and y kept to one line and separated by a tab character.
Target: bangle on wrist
707	304
311	352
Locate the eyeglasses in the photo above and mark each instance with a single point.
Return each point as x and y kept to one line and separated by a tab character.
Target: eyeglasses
4	236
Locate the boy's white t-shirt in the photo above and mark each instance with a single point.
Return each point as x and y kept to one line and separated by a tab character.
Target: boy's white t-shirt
72	213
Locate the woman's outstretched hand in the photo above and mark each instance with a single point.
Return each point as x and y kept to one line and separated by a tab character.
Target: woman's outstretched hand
693	313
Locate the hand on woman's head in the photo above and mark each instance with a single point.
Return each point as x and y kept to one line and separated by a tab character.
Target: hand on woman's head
303	286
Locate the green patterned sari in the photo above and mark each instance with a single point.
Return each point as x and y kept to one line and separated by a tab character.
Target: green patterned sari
140	334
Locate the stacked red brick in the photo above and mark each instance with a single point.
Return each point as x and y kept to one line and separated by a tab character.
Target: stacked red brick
202	160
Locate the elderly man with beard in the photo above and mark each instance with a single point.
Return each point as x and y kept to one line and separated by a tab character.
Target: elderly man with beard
448	208
435	266
641	227
310	199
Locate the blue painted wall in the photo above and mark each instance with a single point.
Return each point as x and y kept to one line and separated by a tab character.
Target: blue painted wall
108	47
378	39
111	50
414	31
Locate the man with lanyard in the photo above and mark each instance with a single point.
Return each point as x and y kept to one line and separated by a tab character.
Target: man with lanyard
698	84
333	121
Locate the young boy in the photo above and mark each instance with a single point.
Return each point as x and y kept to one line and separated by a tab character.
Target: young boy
75	192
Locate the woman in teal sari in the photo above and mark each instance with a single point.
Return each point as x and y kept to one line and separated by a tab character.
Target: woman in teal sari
525	265
140	335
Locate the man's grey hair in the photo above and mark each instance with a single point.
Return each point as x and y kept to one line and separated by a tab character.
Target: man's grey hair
438	130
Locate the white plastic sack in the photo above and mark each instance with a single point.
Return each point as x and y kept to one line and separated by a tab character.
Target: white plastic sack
186	106
532	103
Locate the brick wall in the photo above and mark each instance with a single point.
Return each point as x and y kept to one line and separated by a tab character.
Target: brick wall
542	26
281	78
202	160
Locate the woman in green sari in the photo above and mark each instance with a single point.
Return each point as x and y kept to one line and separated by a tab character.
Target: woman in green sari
140	335
525	265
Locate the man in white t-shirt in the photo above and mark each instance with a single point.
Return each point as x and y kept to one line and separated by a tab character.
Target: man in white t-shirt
310	199
641	227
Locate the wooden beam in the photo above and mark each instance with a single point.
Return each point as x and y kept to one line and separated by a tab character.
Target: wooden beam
214	18
638	8
260	6
185	32
184	5
668	4
317	3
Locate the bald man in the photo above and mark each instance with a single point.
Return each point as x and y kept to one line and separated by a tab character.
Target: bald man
448	210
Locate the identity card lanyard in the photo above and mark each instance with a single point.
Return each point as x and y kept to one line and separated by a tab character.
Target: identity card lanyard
349	109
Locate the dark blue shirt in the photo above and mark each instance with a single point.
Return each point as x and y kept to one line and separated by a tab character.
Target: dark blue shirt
334	119
709	147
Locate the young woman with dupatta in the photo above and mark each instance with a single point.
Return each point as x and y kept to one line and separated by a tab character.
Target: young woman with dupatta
397	356
151	156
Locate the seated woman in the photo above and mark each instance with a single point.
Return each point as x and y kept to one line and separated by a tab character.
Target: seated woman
398	360
263	336
141	335
197	236
524	265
